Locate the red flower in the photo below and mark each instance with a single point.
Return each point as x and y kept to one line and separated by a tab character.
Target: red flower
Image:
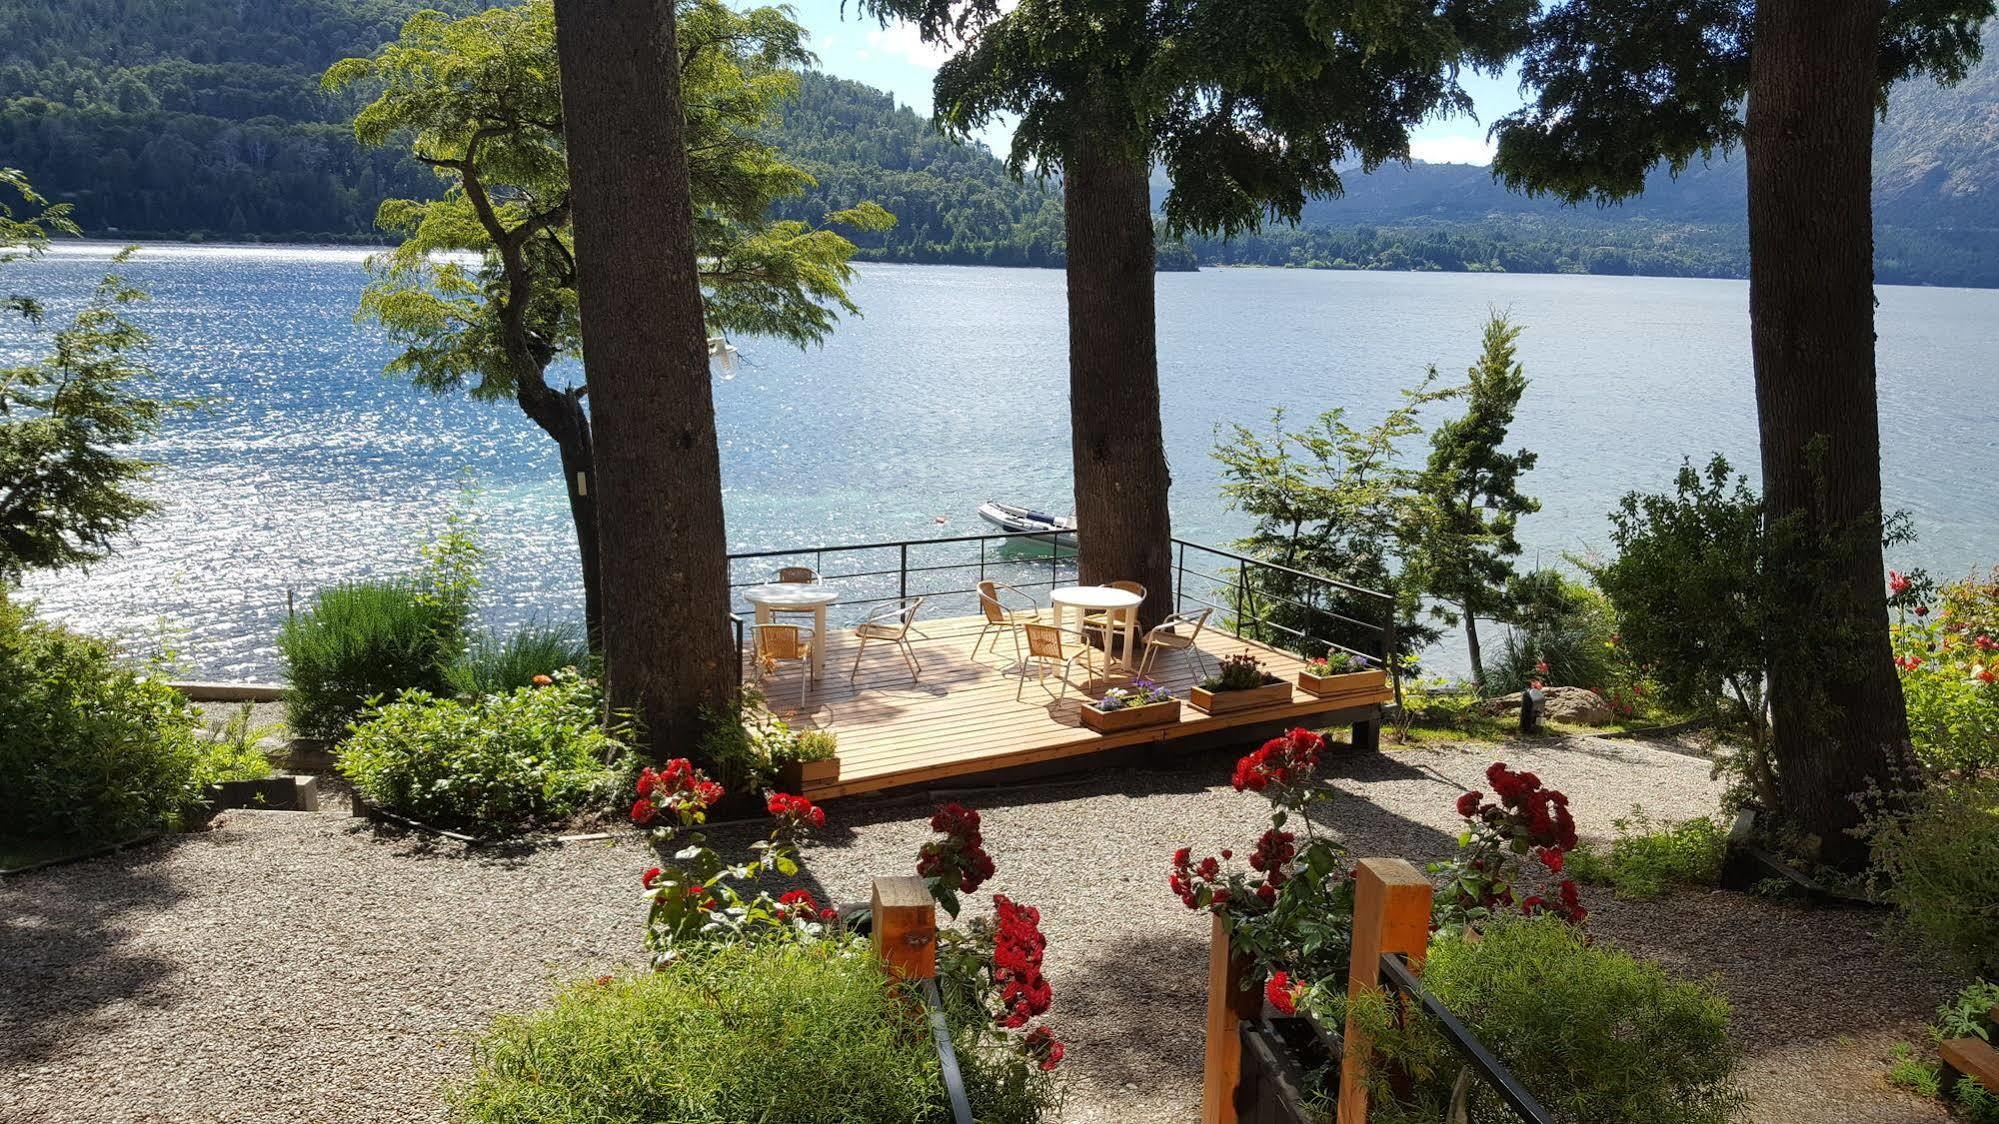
1285	762
1282	992
1922	610
676	788
1908	663
541	681
1041	1043
1897	583
797	811
651	875
1016	963
1551	857
959	859
1541	667
1468	804
1985	643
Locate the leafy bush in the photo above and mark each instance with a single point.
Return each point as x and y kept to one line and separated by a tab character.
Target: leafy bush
493	664
88	747
1949	661
493	763
1939	864
746	745
1649	857
1597	1036
775	1032
231	752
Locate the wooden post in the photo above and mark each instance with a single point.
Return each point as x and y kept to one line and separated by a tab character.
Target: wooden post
905	928
1228	1004
1391	913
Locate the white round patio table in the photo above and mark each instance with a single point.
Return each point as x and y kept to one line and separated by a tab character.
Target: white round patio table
1121	604
796	597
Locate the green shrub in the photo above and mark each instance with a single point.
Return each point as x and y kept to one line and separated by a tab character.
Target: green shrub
230	751
1597	1036
88	747
364	641
1939	864
493	763
493	664
746	744
1649	857
775	1032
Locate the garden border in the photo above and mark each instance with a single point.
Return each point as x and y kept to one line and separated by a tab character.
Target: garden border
82	856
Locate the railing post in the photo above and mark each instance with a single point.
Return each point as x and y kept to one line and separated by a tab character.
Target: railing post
902	581
1391	914
1229	1002
1180	579
905	928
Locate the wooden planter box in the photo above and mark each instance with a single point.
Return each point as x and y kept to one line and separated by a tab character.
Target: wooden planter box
1131	717
1277	692
1343	683
797	776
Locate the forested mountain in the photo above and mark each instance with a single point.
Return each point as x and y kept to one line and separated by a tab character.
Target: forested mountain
205	118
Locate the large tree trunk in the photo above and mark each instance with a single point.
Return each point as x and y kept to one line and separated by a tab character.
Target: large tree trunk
1837	712
668	649
562	417
1117	447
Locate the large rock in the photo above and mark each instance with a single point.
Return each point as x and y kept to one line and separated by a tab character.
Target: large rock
1576	706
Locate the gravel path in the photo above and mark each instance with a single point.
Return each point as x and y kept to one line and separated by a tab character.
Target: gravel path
288	966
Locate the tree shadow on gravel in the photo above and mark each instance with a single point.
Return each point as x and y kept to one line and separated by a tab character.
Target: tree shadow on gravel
1134	1009
64	955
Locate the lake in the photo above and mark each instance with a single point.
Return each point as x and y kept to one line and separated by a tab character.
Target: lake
309	466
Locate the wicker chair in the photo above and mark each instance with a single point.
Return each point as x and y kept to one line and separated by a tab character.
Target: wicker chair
1000	618
797	575
1049	646
891	623
1103	621
1177	633
785	643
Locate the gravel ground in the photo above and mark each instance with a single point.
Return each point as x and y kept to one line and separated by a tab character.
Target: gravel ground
287	966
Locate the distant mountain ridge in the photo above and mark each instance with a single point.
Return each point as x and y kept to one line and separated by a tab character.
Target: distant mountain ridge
204	118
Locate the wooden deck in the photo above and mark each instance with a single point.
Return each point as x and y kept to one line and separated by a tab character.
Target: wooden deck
961	718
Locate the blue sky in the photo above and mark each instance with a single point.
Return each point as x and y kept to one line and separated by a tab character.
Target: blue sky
896	60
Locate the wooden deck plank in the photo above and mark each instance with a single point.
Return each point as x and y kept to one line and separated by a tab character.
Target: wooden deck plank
961	715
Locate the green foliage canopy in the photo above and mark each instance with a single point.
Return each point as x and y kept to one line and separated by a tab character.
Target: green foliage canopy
1249	106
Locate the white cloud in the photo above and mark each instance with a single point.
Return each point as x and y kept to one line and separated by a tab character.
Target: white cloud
1452	150
901	40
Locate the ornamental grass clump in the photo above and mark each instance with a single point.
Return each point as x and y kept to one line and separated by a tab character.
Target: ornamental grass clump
492	764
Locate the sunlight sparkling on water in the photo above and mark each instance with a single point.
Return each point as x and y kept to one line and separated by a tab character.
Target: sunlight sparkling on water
309	466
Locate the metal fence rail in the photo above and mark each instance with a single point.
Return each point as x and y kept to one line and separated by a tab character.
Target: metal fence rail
1396	977
1255	599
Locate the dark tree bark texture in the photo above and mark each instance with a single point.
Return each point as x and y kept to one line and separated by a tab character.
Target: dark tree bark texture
1118	447
1838	724
668	648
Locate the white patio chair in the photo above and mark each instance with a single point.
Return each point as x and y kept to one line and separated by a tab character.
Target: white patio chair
785	643
891	623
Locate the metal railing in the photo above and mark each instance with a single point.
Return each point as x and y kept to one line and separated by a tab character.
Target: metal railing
947	1055
1397	977
1281	606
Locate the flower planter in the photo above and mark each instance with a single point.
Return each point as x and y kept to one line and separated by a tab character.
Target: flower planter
1275	692
272	794
1343	683
1277	1054
797	776
1131	717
